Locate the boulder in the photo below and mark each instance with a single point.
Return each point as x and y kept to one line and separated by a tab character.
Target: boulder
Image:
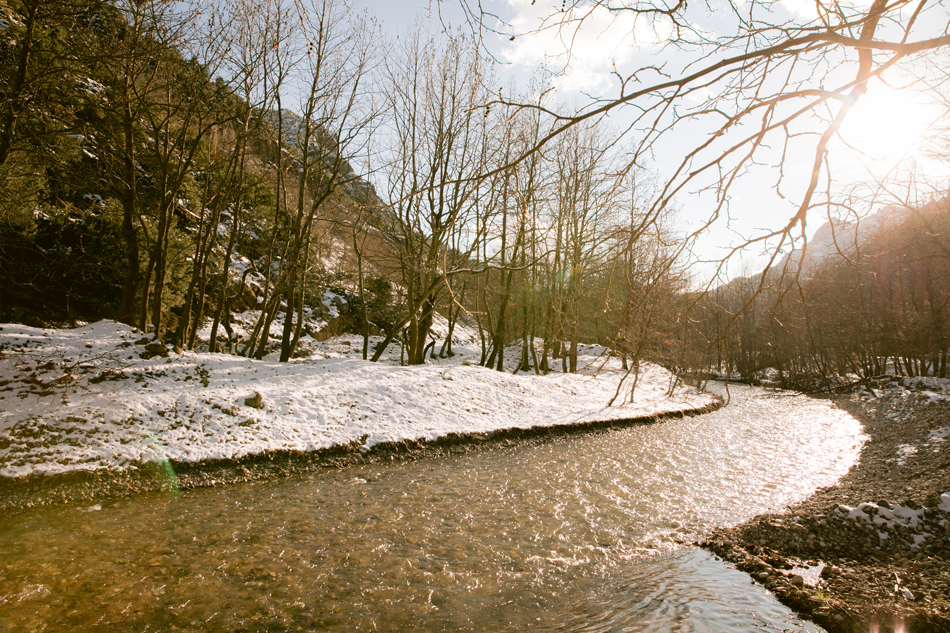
255	400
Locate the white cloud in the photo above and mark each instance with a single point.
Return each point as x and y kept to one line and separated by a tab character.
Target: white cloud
582	46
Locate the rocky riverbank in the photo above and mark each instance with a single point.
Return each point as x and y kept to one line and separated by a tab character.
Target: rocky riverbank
873	552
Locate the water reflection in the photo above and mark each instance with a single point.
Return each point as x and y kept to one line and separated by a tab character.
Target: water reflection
579	534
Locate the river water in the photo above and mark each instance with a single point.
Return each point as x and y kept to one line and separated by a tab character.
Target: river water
580	534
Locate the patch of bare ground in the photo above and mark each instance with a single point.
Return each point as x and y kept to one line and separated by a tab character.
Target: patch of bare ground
882	533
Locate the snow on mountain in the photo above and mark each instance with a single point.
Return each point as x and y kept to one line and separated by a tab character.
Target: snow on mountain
839	238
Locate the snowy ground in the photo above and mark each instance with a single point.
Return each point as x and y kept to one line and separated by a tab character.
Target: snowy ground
85	399
901	398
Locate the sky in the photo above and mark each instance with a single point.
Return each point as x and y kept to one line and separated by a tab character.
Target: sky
885	129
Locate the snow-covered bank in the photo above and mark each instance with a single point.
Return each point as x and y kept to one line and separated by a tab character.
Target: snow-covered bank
90	398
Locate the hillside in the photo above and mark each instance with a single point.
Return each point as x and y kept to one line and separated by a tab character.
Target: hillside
868	301
840	240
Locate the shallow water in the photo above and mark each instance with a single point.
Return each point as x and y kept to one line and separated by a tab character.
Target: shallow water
580	534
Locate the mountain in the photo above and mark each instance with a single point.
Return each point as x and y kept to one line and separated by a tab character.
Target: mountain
839	239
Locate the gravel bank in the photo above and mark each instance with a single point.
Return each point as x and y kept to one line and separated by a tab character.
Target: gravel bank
873	552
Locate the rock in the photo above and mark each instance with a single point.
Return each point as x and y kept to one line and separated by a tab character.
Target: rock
255	400
157	348
797	580
778	562
152	349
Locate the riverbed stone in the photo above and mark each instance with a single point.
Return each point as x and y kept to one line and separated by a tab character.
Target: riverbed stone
857	584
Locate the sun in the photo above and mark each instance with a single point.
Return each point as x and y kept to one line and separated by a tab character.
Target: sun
887	124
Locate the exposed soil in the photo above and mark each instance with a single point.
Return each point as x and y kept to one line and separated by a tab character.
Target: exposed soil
887	563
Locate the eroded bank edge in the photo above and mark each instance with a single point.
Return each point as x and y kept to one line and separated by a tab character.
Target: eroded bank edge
173	476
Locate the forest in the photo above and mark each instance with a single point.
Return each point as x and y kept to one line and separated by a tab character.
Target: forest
181	167
875	304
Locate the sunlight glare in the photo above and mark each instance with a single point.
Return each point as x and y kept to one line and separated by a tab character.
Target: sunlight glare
887	124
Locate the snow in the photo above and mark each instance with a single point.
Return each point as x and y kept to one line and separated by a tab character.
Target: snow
904	522
933	441
461	334
329	300
90	85
903	452
810	574
890	517
8	18
920	539
939	435
86	399
336	257
902	397
895	516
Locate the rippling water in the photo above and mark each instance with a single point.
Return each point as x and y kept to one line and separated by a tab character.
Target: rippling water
580	534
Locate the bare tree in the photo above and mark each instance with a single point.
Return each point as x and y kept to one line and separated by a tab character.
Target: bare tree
439	147
758	84
258	30
178	106
585	198
324	134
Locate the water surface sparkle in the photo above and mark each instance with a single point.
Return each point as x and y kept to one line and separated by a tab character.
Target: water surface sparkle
579	534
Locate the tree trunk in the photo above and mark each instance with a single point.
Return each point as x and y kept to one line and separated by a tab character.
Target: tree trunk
285	349
14	101
129	235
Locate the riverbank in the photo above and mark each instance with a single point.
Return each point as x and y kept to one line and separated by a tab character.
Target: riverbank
873	552
102	410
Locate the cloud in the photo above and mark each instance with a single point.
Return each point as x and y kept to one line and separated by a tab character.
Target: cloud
582	46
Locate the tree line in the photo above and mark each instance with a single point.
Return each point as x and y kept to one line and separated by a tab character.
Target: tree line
877	304
168	164
171	164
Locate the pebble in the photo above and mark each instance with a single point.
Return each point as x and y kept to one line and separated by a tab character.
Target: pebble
858	577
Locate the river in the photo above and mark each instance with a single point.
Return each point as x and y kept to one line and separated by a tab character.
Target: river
584	533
